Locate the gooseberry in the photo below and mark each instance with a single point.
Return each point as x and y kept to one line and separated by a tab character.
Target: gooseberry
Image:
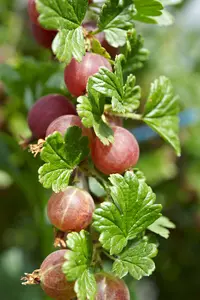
116	157
53	281
63	122
45	111
77	73
110	287
71	210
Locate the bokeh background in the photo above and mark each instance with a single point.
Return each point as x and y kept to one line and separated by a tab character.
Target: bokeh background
27	72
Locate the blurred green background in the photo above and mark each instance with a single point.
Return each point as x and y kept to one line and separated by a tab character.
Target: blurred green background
27	72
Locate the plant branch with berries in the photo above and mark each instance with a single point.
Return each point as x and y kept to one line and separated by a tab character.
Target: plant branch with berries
101	206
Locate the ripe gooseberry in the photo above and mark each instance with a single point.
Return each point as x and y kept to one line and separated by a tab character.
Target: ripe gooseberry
53	281
91	26
116	157
110	287
63	122
32	11
42	36
77	74
45	111
70	210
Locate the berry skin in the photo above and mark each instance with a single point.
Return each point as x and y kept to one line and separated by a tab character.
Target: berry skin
112	288
117	157
62	123
91	26
77	74
45	111
32	11
70	210
42	36
53	280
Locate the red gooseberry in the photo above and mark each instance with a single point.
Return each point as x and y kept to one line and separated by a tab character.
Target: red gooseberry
46	110
76	74
117	157
70	210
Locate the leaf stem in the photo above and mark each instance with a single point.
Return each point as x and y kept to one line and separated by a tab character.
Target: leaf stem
129	116
108	255
132	116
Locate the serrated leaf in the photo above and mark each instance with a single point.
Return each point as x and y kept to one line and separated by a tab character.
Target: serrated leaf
130	213
68	44
90	109
136	55
116	37
59	14
85	286
161	111
161	226
65	17
147	9
125	98
132	94
77	265
61	157
98	49
79	256
136	260
115	19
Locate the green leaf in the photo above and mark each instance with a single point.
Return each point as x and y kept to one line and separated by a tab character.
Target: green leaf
68	44
116	37
65	17
85	286
90	110
132	94
77	265
59	14
125	98
79	255
161	111
136	55
115	19
130	213
147	9
98	49
161	226
61	157
136	260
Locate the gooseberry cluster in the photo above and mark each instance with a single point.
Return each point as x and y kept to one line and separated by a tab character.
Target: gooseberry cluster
72	209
